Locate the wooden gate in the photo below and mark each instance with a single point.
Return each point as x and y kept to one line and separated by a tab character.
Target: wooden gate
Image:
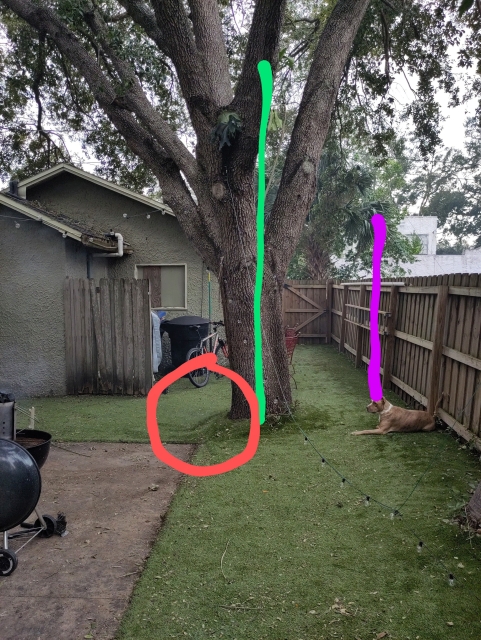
304	307
108	336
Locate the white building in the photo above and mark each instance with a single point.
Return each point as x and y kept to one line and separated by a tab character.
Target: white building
427	263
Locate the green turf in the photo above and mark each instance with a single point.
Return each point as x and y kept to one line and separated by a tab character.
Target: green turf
182	414
304	559
296	544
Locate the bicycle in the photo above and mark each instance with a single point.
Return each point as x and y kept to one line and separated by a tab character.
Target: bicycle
200	377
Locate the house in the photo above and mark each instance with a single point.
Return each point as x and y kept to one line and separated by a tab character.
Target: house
66	222
428	263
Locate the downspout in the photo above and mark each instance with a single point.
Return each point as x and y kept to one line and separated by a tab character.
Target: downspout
120	249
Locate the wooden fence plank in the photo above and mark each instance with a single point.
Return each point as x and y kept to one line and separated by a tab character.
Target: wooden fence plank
437	352
106	319
147	335
118	373
128	333
329	311
343	316
391	328
475	350
471	371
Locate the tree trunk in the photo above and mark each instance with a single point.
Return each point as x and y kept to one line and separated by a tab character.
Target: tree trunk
236	281
473	509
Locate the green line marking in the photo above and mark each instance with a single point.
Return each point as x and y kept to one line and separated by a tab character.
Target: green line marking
265	73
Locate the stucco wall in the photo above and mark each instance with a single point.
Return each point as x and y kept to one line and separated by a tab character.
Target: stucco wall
34	261
32	268
437	265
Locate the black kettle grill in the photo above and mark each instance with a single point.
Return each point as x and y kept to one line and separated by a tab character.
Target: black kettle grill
22	454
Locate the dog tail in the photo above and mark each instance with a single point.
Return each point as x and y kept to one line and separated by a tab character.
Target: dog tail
438	404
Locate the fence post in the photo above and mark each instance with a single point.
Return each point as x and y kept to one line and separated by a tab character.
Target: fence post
343	319
390	340
437	352
362	302
329	312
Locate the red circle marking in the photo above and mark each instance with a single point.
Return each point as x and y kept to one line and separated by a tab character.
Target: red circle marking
209	361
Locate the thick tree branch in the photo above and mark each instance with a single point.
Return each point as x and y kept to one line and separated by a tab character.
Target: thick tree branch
210	44
263	44
299	176
182	50
135	100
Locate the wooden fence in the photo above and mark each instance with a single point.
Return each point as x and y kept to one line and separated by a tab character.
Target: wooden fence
430	338
108	336
304	306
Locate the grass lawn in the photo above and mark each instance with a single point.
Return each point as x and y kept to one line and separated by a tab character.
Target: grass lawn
276	549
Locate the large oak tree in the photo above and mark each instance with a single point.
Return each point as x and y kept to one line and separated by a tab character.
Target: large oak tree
213	189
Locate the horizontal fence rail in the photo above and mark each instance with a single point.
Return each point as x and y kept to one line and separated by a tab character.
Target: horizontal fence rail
429	329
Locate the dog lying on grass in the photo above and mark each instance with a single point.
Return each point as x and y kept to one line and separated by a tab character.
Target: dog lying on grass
397	420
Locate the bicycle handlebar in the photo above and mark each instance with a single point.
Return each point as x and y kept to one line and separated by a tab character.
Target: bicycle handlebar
214	324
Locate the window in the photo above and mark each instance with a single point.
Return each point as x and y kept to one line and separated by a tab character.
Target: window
424	241
167	284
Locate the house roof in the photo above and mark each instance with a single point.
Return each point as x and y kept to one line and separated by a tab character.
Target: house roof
88	236
63	167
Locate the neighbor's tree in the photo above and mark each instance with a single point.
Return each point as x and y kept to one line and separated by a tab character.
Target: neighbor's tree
135	63
353	185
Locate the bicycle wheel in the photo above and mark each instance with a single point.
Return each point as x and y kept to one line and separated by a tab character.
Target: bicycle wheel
222	355
198	377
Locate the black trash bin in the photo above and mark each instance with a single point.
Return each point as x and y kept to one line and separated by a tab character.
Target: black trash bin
183	336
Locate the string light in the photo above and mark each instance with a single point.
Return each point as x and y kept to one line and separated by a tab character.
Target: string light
305	440
64	235
451	580
124	215
323	462
17	225
343	483
148	216
420	546
367	501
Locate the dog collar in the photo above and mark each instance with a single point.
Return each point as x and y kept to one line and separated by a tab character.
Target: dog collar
387	410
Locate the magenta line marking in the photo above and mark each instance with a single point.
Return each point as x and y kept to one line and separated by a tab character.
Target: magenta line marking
374	367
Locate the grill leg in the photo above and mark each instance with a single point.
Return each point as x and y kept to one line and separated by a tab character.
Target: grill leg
40	517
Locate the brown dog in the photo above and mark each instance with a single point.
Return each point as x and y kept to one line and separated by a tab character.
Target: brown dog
397	420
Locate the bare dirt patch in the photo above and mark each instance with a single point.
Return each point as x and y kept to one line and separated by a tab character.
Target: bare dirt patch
79	585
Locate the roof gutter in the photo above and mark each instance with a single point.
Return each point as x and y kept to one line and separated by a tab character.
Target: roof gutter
120	249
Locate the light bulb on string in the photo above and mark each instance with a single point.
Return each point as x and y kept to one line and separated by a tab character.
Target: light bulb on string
323	462
124	215
17	225
148	216
64	235
343	483
367	501
451	580
420	546
305	440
